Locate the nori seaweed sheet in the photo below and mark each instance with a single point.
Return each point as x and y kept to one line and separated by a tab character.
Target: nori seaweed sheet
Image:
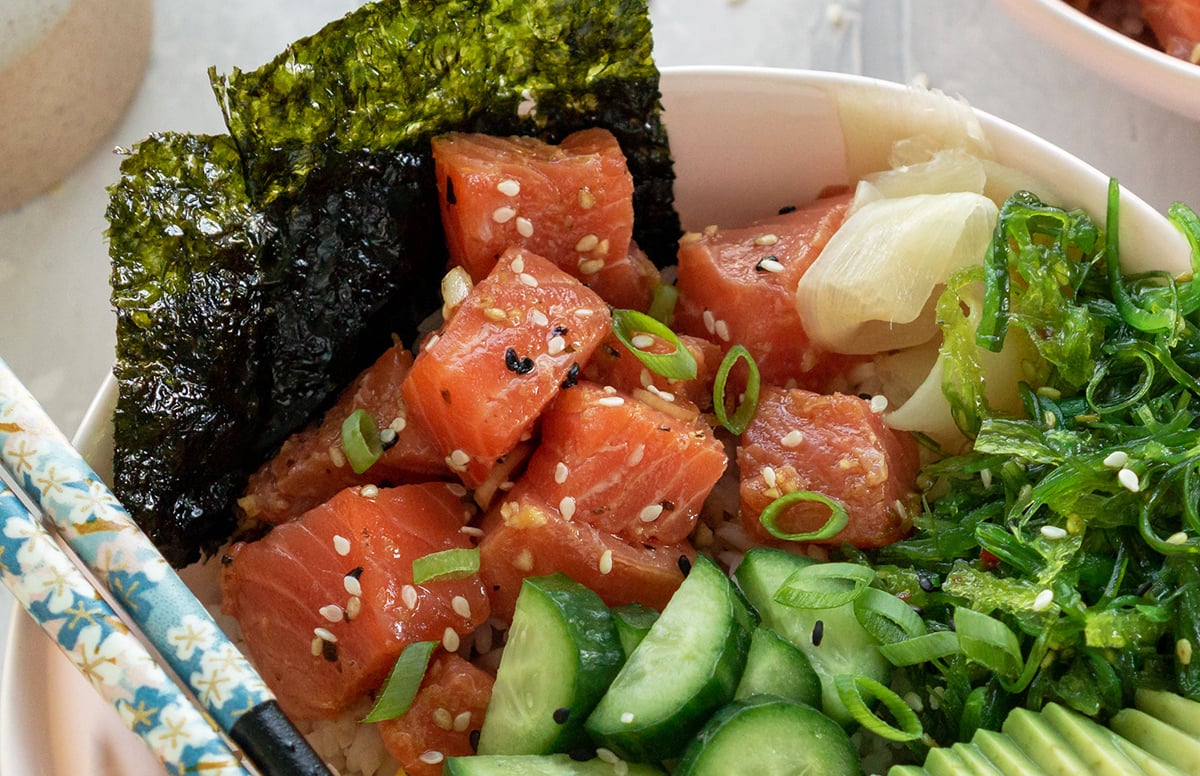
393	74
256	273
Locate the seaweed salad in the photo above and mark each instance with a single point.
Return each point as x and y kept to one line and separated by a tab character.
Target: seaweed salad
308	236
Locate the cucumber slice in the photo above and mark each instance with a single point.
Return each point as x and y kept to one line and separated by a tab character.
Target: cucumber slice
685	668
769	736
844	647
562	652
540	765
775	667
633	623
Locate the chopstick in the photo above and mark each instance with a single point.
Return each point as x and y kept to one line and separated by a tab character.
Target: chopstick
90	633
92	522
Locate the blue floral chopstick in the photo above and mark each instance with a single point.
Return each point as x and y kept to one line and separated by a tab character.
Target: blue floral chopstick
87	630
86	515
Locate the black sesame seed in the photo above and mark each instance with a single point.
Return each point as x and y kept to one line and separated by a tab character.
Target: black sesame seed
450	198
924	581
783	211
561	715
667	504
572	376
329	651
445	396
610	350
515	363
1144	588
388	438
758	267
355	572
582	754
865	396
559	330
685	564
818	632
473	738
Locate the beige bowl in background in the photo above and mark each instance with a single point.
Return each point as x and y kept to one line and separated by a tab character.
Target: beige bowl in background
68	70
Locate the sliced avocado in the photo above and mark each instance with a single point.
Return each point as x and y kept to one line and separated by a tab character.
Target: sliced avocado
976	760
1176	710
945	762
1094	744
1005	753
1158	738
1043	744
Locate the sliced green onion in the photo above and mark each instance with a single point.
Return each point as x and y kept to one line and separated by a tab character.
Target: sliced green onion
838	517
921	649
740	420
679	364
360	440
662	306
447	564
825	585
989	642
886	617
857	692
402	683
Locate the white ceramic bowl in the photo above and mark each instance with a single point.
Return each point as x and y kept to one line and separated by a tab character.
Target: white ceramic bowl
1134	66
745	141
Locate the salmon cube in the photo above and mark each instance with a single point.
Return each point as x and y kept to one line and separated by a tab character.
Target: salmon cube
326	603
311	466
614	364
738	286
835	445
481	383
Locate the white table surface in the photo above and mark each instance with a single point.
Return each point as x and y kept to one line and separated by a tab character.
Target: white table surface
56	324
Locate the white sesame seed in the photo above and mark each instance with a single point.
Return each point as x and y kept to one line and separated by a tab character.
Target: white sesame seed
641	341
611	401
524	226
1043	601
770	265
456	489
985	478
528	279
586	243
584	312
914	701
459	457
792	438
352	585
431	757
766	239
509	187
591	266
408	594
369	491
1129	480
607	755
462	721
538	317
450	640
602	248
710	321
556	345
398	424
606	562
353	607
316	647
517	265
494	314
1179	537
645	378
637	455
567	507
721	328
660	393
587	200
879	403
502	215
1183	651
627	718
1053	532
332	612
461	606
442	718
337	456
561	472
429	343
325	635
471	530
650	513
768	475
1116	459
341	545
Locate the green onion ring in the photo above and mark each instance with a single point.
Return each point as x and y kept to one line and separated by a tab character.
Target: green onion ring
398	692
838	517
822	585
360	440
989	642
447	564
740	420
856	690
679	364
921	649
886	617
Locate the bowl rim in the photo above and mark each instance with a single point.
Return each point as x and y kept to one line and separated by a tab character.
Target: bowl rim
26	649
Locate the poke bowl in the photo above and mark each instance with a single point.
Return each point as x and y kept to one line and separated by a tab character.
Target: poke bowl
1142	69
825	131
